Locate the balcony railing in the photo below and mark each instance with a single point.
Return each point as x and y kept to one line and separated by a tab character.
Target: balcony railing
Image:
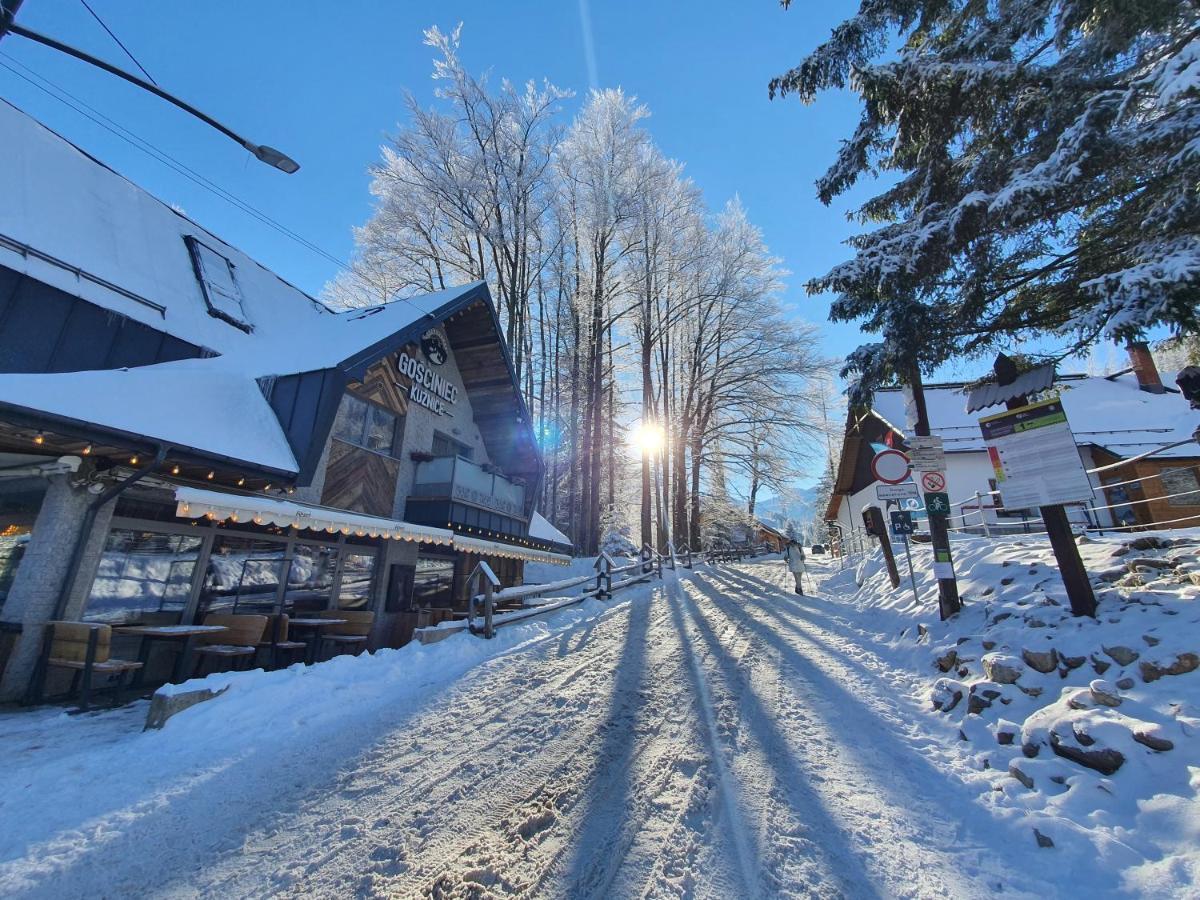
466	482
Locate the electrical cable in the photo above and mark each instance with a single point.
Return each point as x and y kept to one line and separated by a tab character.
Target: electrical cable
117	130
149	77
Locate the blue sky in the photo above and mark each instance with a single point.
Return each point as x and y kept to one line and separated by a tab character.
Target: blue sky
324	82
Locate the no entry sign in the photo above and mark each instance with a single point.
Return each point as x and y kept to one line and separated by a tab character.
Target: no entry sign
890	466
933	481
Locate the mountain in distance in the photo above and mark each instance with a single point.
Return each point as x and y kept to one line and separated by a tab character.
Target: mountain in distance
797	506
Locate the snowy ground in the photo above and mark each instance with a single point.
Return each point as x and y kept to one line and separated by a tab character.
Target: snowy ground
714	736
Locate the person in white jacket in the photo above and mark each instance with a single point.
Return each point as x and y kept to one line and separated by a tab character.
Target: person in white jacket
794	554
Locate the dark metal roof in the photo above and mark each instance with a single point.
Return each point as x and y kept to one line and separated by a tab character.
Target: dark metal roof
992	394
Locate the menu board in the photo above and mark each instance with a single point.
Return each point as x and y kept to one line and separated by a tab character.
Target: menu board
1035	456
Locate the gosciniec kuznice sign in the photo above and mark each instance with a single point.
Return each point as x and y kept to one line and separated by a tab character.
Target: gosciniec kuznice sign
427	387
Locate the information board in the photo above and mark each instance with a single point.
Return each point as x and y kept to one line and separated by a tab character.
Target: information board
1035	456
906	491
926	453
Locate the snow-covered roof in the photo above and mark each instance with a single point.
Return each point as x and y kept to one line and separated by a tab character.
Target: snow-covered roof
541	529
1110	412
71	222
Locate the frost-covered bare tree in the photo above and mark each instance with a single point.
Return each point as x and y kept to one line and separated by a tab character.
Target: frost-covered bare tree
622	296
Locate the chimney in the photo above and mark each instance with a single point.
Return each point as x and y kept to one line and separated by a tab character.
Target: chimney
1144	368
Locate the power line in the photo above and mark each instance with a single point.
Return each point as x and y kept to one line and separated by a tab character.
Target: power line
149	77
120	131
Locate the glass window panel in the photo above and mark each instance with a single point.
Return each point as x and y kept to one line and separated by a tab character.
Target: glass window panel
351	420
380	427
310	578
13	541
221	289
357	572
142	572
433	582
243	573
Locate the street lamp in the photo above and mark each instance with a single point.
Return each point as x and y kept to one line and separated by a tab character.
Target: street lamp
268	155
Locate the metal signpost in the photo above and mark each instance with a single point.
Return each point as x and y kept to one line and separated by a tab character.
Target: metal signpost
926	453
902	526
890	466
906	491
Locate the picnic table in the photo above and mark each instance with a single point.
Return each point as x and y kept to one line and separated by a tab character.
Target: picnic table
315	625
182	634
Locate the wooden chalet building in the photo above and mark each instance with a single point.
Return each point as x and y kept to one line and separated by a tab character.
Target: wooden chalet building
1115	417
183	432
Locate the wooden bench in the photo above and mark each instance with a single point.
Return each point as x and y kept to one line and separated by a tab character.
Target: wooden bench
85	648
237	645
350	636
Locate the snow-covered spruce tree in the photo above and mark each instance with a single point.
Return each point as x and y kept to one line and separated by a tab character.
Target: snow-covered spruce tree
1046	166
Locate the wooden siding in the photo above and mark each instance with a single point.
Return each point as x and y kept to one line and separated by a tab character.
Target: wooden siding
1151	490
381	385
359	480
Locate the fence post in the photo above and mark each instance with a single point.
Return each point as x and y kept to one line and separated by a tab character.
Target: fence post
603	567
646	558
483	572
987	531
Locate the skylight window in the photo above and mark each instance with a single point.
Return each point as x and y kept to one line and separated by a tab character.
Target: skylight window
219	284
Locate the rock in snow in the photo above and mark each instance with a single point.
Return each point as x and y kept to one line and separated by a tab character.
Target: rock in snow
1001	668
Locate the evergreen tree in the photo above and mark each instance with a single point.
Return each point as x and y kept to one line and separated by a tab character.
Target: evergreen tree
1046	166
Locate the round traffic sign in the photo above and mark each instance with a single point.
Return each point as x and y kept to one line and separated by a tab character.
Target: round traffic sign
890	466
933	481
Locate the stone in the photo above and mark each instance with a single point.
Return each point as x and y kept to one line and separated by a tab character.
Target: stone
1080	700
1154	742
1042	840
976	705
1031	691
1126	684
1121	551
1015	771
946	694
963	671
1182	664
946	661
921	630
1006	581
164	706
1105	760
989	645
1151	640
1044	661
1072	662
1000	617
1004	737
1150	542
1100	666
1150	562
1031	750
1104	693
1122	656
1002	669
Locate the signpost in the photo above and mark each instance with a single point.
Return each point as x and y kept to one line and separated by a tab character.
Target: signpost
934	480
937	503
890	466
902	527
906	491
926	454
1037	462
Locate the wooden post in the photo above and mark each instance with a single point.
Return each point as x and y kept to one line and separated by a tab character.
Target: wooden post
1066	551
948	600
875	526
603	567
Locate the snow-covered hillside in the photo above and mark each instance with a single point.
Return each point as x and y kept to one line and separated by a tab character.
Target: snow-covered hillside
1085	732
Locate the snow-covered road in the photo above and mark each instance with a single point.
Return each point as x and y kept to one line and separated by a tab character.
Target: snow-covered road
717	737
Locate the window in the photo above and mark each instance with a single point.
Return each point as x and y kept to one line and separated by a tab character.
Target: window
444	445
355	589
433	582
367	425
1181	481
217	280
140	573
310	579
243	575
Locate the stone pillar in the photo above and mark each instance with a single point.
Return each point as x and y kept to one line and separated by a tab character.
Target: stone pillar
39	580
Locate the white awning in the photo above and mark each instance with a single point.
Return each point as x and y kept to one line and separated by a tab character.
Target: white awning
194	503
509	551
